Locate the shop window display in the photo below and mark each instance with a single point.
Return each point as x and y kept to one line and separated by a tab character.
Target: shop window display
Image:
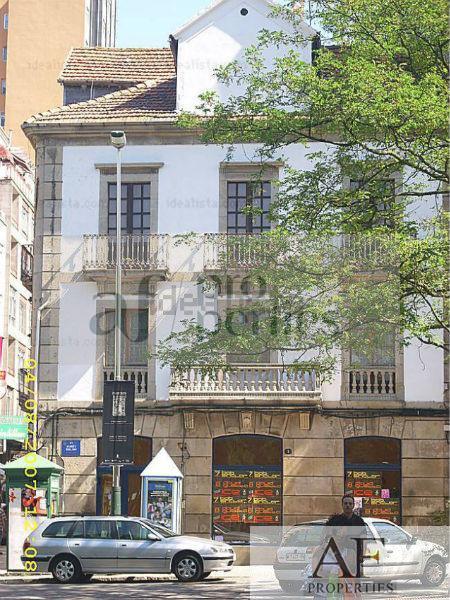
247	485
373	476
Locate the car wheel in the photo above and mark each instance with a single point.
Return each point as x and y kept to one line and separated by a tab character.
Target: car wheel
434	573
66	569
187	567
290	587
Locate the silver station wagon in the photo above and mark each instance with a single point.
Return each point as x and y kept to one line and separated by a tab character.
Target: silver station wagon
75	548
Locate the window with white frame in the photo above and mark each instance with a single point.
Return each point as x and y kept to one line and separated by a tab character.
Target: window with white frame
25	219
23	316
12	307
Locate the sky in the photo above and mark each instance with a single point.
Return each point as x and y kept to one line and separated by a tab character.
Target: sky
150	22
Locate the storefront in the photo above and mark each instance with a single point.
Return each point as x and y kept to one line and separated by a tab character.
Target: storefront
247	485
373	476
130	479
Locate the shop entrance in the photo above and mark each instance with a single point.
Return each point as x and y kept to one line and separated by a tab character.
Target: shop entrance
373	475
247	485
130	479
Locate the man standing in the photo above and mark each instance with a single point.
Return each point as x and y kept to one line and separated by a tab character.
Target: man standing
348	516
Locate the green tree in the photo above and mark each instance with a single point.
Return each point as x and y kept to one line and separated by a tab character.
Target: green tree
377	98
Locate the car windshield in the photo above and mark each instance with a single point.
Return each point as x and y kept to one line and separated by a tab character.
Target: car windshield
160	529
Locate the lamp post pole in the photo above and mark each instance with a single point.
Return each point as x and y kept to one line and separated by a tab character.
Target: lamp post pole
118	140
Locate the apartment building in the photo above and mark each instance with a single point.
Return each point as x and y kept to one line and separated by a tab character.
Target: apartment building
310	438
16	277
35	37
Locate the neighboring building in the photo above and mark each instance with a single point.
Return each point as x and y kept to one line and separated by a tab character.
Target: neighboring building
16	272
303	439
35	37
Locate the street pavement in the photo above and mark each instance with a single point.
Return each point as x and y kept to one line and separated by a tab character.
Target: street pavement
242	583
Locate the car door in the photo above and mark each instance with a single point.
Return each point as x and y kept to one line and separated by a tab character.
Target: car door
398	556
94	542
136	552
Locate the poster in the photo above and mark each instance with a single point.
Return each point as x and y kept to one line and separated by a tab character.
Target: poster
20	525
160	502
247	495
372	497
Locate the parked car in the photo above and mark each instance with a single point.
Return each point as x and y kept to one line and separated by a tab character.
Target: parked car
75	548
401	556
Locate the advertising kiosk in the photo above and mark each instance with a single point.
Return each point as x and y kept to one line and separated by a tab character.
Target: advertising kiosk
162	492
32	495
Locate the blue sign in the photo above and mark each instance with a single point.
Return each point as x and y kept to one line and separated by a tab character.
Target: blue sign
71	448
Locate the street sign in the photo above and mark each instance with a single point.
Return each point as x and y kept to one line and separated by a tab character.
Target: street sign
71	448
13	428
118	422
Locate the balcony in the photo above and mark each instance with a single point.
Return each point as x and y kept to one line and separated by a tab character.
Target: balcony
26	269
137	374
263	384
224	251
139	253
371	383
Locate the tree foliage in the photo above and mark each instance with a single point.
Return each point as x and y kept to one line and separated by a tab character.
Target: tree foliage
372	110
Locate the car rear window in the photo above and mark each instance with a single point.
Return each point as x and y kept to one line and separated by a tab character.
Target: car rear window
59	529
304	536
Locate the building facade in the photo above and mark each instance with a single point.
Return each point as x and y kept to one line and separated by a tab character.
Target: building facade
35	37
16	277
297	439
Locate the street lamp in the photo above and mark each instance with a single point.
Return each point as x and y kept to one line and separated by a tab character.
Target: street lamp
118	141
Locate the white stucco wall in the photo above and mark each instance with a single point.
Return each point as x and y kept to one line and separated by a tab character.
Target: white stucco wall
228	32
77	342
188	201
424	373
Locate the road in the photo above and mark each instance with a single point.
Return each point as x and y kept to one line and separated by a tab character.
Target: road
240	584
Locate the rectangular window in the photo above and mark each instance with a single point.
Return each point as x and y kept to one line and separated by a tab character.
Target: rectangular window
25	220
2	119
5	21
383	356
248	205
14	259
11	356
134	337
12	307
23	316
3	87
5	53
135	209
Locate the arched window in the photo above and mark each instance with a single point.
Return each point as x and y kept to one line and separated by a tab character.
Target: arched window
373	476
247	485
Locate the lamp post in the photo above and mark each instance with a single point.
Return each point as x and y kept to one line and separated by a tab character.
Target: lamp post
118	140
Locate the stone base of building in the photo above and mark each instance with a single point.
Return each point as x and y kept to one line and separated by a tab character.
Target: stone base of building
312	459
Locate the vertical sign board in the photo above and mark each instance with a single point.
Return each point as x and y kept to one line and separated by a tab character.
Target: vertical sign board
118	422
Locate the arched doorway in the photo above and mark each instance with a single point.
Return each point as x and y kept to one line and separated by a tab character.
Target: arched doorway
373	475
130	479
247	485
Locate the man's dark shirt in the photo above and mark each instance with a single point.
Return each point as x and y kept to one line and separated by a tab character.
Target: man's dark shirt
354	521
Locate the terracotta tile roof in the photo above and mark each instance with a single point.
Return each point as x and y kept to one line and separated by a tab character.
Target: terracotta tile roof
117	65
148	101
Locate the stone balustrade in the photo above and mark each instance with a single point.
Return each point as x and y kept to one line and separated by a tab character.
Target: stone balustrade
137	374
139	252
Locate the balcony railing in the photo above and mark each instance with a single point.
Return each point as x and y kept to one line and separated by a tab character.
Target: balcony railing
26	269
373	382
137	374
139	252
229	251
364	250
264	382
